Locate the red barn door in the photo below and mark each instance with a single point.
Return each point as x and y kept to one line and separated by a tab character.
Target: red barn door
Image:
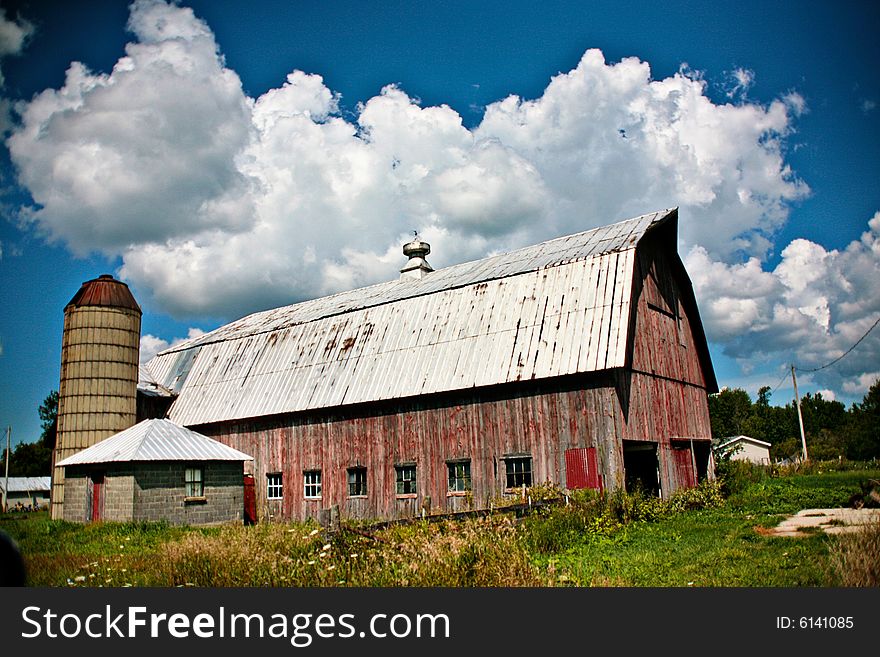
684	465
97	496
250	501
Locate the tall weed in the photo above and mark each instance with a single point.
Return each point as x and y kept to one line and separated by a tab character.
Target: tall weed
855	557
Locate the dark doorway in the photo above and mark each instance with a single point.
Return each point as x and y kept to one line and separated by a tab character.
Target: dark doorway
702	449
96	497
641	467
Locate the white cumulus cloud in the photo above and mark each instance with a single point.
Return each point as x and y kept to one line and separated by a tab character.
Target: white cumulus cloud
152	345
809	310
220	204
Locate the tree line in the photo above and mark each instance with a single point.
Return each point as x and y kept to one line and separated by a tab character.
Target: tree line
35	459
832	431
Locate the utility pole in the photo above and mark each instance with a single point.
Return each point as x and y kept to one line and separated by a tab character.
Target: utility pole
797	403
6	483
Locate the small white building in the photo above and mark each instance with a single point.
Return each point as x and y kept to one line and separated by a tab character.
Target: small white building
30	491
745	448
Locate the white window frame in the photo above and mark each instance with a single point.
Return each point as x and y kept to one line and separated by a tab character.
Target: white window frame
459	479
312	484
354	475
401	482
511	470
194	475
274	484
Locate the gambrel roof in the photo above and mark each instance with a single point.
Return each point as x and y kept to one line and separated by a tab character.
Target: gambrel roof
560	307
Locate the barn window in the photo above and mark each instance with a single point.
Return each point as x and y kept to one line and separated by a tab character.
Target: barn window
195	482
357	482
518	471
459	476
406	479
312	484
274	486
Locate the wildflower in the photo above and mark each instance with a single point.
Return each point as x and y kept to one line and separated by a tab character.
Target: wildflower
330	567
313	532
79	578
354	555
312	562
325	548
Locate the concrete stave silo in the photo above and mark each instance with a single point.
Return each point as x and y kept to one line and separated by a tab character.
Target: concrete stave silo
99	371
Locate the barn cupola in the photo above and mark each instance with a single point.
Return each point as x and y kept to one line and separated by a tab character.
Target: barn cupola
417	267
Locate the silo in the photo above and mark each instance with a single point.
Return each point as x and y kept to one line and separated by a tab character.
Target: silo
97	396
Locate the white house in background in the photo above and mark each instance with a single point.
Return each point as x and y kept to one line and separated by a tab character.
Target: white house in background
27	490
745	448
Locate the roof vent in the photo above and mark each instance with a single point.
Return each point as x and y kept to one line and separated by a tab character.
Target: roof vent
416	250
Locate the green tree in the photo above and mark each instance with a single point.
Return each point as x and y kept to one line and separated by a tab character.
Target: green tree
35	459
728	412
49	419
862	433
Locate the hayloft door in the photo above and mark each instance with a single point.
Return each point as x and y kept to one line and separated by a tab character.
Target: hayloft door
97	501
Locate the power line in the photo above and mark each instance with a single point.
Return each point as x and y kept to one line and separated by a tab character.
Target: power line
776	387
816	369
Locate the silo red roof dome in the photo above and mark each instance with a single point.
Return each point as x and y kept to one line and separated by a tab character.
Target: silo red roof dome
104	291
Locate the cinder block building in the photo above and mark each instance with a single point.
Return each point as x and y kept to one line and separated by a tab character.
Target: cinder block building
155	470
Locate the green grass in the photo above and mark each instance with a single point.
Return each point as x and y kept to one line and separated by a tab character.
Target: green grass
698	539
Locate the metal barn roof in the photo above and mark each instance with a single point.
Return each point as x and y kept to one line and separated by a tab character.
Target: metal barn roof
156	440
27	484
559	307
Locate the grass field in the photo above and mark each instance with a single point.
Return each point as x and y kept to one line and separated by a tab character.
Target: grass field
699	539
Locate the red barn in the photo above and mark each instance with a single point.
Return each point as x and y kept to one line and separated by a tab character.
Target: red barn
580	361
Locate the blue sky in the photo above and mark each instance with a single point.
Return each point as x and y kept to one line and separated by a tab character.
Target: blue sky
216	185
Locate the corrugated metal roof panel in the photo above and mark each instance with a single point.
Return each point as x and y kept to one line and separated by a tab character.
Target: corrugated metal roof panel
156	440
27	484
557	308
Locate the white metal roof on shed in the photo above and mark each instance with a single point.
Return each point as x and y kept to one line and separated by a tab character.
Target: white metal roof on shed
744	439
27	484
556	308
156	440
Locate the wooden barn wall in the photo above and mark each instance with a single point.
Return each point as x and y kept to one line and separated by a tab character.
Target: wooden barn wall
429	432
663	343
663	397
542	421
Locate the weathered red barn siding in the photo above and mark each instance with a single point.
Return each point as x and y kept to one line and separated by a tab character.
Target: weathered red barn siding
667	384
483	427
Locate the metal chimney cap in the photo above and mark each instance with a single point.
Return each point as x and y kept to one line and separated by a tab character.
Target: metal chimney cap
417	248
417	266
